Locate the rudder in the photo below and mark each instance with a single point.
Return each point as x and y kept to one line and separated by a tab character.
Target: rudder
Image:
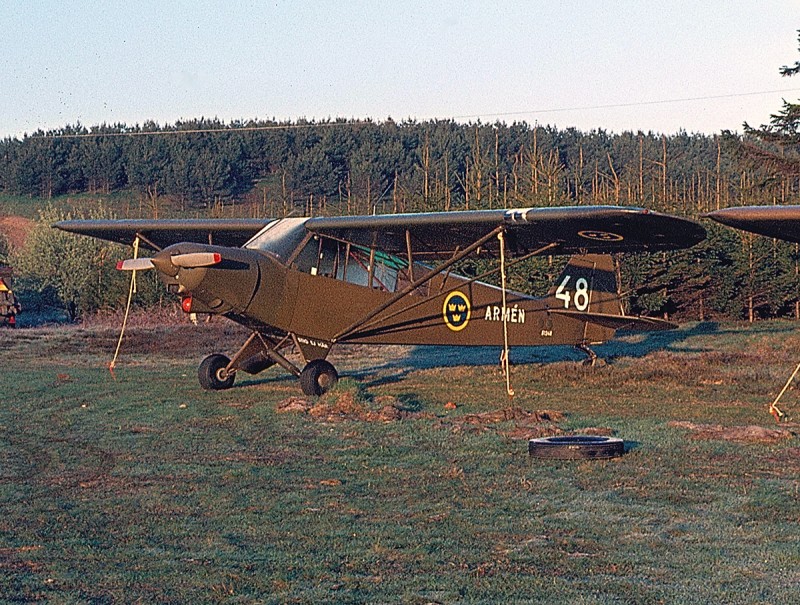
588	284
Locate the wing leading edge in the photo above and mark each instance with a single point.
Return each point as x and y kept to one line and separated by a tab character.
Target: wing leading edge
160	233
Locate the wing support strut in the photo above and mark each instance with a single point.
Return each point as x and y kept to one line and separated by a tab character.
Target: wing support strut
141	237
417	283
410	257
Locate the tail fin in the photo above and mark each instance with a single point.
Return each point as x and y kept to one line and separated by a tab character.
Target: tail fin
588	284
587	290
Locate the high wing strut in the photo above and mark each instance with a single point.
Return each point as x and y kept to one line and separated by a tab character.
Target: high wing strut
410	257
148	242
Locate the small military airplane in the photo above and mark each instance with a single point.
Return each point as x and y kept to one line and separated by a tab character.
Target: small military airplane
781	222
316	283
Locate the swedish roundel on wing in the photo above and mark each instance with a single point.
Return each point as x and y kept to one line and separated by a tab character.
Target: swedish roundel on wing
600	236
456	311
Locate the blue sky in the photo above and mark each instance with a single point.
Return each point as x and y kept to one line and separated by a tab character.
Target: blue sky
615	64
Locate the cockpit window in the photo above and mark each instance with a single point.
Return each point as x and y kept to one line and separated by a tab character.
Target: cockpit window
331	258
281	237
339	260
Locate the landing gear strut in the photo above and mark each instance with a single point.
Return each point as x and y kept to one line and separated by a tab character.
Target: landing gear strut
217	372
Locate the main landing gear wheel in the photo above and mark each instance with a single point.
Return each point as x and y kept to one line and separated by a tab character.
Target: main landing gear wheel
318	377
213	375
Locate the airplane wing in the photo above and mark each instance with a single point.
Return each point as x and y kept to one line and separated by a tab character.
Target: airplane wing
571	229
782	222
434	235
160	233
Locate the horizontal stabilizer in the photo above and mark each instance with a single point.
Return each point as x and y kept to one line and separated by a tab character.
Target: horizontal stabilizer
634	323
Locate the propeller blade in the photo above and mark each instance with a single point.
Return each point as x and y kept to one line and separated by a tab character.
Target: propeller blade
135	264
196	259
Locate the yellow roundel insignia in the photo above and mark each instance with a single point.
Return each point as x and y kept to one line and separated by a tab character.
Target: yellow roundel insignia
456	311
601	236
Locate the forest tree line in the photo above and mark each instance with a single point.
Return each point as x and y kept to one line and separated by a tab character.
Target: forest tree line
363	167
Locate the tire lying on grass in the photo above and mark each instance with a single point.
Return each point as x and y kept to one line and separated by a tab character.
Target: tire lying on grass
576	447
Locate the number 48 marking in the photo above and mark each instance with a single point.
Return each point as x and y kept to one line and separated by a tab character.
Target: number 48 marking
581	297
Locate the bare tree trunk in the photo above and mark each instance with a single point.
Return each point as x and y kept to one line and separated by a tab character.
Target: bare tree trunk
496	166
719	173
640	195
477	170
615	178
447	193
534	155
426	169
349	195
751	272
152	199
394	194
664	169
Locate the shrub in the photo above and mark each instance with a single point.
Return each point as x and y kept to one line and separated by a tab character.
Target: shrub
74	272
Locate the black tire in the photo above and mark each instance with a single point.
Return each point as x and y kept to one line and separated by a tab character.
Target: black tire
318	377
212	373
576	447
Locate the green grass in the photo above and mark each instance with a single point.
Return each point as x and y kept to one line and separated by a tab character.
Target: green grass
29	207
144	488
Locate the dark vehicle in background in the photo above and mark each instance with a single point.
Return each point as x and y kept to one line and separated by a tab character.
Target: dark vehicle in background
9	305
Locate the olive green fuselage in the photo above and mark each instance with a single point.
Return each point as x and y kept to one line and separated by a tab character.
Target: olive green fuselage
257	289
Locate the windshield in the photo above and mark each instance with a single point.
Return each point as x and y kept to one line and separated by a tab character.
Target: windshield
281	237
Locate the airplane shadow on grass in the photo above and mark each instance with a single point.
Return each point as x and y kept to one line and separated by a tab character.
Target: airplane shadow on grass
389	370
625	345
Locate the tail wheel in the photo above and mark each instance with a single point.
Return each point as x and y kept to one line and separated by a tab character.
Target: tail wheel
213	374
318	377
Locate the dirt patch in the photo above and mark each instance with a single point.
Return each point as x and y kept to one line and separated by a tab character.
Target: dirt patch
293	405
513	423
338	407
517	414
15	229
526	433
745	434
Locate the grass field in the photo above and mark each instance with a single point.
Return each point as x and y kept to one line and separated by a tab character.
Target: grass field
143	488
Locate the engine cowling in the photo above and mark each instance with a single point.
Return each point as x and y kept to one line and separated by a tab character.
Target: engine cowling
219	279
